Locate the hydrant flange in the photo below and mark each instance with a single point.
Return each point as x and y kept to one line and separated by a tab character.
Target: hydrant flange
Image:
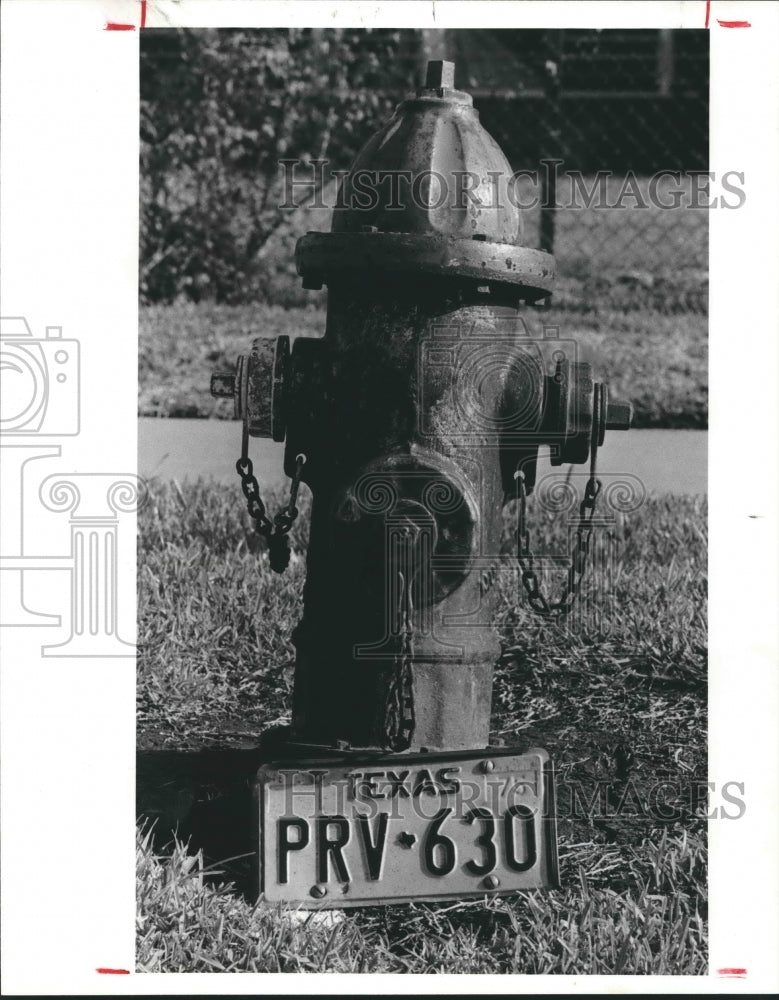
322	256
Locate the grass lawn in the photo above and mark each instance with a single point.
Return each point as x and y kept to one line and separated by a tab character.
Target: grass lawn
624	705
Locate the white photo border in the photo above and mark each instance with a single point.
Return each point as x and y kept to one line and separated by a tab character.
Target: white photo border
69	162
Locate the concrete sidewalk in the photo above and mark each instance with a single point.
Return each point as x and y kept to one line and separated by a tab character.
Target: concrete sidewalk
666	461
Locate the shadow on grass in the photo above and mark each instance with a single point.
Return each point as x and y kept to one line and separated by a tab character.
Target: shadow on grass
205	799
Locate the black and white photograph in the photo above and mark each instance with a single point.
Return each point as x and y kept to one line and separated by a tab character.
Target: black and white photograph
407	600
413	260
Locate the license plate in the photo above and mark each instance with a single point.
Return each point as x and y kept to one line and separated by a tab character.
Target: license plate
390	830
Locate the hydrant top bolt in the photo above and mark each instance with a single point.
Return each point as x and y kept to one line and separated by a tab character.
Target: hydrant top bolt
440	73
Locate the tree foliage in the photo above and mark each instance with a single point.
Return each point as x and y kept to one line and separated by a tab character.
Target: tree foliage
219	110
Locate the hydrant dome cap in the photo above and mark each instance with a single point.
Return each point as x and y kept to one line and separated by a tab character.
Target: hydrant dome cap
431	192
431	169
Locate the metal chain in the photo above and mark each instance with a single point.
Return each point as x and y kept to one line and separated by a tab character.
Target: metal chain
399	718
274	531
538	602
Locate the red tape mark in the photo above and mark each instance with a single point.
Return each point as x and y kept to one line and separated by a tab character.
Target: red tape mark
724	24
737	973
113	972
115	26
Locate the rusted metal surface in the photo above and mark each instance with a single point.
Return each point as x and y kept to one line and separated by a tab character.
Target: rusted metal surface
266	379
259	387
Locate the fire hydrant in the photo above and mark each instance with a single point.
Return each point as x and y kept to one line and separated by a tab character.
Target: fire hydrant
415	418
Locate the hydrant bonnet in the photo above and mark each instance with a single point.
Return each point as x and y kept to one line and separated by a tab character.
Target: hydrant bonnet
430	192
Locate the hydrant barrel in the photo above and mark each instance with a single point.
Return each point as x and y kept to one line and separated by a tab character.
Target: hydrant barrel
391	446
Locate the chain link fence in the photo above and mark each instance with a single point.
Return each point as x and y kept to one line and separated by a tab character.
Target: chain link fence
618	120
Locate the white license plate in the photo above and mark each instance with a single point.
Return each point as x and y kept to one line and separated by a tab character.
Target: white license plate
426	827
